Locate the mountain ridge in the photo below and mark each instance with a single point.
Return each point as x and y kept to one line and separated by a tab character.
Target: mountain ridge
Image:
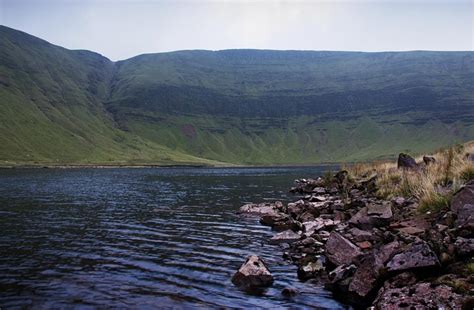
234	106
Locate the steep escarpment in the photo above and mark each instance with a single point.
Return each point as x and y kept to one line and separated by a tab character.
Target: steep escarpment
233	106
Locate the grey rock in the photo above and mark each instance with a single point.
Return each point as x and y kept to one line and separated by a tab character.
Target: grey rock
253	274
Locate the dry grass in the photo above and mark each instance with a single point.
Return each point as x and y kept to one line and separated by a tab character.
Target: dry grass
431	185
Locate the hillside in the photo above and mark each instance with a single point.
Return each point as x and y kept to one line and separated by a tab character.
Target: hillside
232	106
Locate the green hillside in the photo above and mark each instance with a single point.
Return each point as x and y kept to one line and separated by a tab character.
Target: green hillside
232	106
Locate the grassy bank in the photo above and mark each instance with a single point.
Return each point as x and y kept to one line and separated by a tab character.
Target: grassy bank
431	184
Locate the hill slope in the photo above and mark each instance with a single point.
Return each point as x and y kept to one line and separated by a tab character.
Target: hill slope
235	106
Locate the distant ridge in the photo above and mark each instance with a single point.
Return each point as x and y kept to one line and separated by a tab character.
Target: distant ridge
229	106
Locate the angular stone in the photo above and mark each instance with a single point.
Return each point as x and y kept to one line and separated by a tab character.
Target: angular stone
287	236
253	274
417	255
341	251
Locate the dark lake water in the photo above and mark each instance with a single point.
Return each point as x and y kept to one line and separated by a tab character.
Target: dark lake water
142	238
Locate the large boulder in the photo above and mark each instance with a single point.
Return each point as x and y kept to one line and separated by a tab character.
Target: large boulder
253	274
405	161
418	296
416	255
462	205
341	251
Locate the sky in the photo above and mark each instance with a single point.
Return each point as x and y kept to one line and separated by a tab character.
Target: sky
120	29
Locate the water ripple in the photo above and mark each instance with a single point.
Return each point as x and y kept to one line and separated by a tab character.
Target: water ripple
141	238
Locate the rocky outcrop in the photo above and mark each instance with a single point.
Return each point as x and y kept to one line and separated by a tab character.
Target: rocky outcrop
367	250
253	274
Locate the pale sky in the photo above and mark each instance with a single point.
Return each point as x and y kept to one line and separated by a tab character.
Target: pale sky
125	28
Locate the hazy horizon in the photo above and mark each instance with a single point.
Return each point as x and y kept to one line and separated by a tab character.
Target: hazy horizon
127	28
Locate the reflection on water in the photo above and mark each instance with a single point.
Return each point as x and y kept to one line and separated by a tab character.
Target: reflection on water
141	238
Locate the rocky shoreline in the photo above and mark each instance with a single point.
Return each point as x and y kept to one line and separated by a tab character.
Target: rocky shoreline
373	252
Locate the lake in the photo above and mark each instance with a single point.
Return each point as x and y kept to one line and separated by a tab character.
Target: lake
142	238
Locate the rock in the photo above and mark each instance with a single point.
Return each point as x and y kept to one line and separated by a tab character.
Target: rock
259	209
319	190
359	235
386	252
372	216
287	236
417	255
318	198
311	227
429	160
253	274
286	224
462	205
405	161
418	296
464	246
399	201
341	272
270	219
470	157
341	251
364	245
370	183
295	208
365	279
411	230
289	292
310	269
306	185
